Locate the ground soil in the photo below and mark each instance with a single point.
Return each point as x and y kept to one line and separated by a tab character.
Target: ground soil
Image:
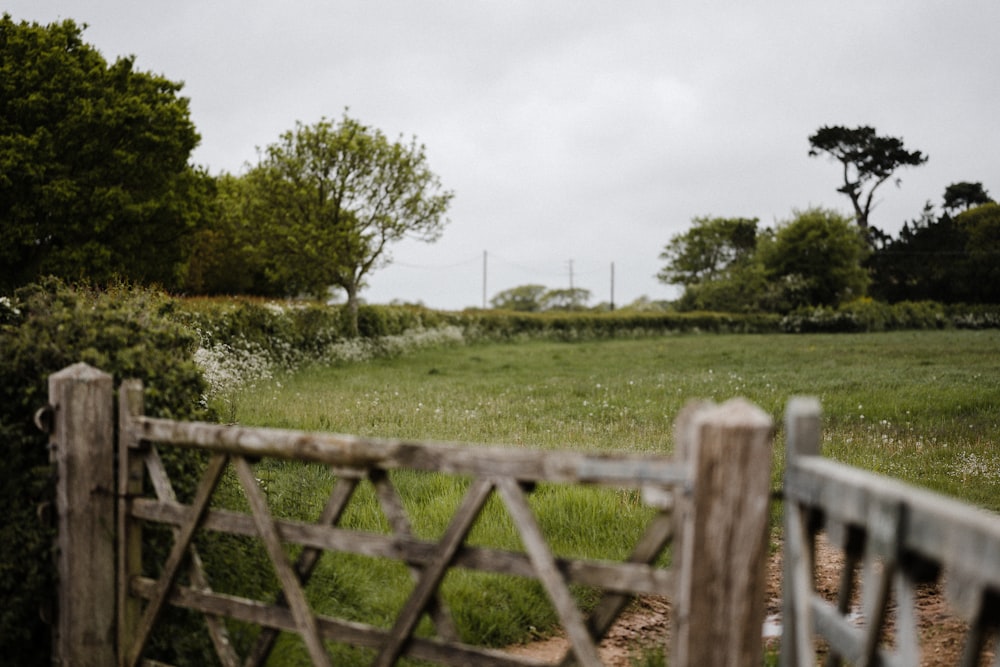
646	623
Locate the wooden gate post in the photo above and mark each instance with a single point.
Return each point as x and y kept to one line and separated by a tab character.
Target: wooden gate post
722	542
82	444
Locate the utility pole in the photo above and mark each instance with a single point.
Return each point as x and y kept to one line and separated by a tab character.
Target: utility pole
571	274
612	285
484	280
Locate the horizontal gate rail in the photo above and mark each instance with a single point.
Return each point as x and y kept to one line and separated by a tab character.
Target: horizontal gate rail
620	470
899	536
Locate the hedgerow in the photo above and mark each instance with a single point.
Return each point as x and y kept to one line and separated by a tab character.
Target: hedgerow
44	328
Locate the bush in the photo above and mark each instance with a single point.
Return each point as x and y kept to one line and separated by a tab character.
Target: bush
44	328
866	315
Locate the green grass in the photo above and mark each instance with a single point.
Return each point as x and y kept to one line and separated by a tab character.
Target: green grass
920	406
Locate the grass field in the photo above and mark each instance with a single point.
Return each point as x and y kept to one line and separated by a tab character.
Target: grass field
920	406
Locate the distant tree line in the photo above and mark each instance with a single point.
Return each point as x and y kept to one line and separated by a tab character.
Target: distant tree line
97	185
823	258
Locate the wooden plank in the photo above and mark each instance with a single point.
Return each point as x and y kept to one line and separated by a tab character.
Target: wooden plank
83	448
538	551
395	512
342	492
334	629
802	438
216	627
654	539
305	621
131	473
877	582
843	636
433	574
615	577
907	630
623	470
937	528
797	646
171	568
726	535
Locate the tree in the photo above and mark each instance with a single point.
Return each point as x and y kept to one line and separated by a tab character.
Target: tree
868	159
94	174
523	298
573	298
965	195
330	198
224	256
708	250
982	227
815	259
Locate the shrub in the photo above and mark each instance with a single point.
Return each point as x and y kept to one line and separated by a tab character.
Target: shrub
44	328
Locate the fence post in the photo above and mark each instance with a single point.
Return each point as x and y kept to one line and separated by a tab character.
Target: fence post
722	546
82	444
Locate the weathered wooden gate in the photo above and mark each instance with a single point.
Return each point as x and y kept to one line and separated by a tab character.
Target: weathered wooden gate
714	495
899	537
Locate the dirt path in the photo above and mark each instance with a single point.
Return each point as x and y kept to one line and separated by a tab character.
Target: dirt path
647	622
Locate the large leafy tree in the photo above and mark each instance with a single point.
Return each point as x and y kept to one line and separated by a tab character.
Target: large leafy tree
868	161
815	259
330	198
707	251
94	173
714	261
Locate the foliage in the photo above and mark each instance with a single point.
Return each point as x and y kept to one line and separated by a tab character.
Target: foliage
523	298
965	195
712	249
815	259
868	161
726	265
94	175
44	328
222	258
573	298
947	259
327	201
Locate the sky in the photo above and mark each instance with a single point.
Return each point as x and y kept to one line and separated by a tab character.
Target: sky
579	136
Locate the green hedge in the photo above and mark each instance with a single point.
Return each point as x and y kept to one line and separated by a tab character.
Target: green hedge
44	328
866	315
508	325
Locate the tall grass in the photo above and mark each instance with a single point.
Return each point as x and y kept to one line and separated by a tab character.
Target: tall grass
920	406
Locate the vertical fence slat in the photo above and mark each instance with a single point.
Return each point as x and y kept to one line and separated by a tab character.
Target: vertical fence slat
802	438
720	602
83	446
130	477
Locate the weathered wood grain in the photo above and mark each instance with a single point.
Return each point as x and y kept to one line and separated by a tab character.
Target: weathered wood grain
720	605
82	445
621	470
906	536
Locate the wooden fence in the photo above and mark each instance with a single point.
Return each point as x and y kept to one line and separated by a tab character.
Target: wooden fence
899	537
714	496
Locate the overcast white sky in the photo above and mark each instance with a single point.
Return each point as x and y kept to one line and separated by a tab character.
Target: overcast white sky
579	133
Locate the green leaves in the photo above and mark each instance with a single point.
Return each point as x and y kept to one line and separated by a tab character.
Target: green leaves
322	206
867	158
93	155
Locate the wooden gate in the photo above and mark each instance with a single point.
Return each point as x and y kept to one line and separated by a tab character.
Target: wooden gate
899	537
714	496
